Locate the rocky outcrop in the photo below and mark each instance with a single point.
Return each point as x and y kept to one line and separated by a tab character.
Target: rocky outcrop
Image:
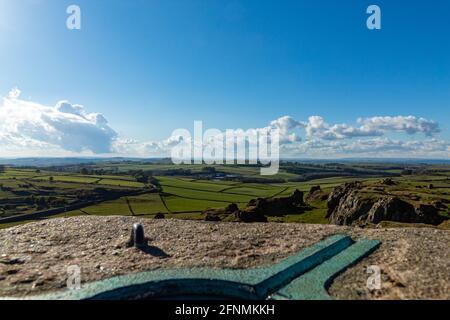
388	182
339	193
212	217
395	209
231	208
351	208
250	216
316	193
257	209
346	206
214	214
277	206
428	214
440	205
314	189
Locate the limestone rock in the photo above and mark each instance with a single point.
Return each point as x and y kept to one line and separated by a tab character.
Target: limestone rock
212	217
392	209
277	206
316	193
339	193
346	206
351	208
250	216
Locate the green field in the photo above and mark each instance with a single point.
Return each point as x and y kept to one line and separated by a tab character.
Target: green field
186	196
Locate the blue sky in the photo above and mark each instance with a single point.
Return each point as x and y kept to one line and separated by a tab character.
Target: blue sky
150	67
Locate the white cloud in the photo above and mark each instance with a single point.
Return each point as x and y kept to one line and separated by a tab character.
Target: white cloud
286	125
381	147
317	127
407	124
131	147
33	127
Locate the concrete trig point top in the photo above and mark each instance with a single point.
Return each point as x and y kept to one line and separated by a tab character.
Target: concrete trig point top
304	275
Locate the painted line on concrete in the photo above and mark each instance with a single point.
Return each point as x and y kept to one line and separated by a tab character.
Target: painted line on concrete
317	264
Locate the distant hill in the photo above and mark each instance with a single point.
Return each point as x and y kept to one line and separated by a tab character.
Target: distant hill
54	161
48	162
374	160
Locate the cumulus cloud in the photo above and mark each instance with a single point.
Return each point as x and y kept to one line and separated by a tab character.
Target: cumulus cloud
132	147
286	125
381	147
408	124
317	127
29	129
30	126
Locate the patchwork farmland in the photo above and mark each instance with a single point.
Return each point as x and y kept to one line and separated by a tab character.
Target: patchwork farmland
184	192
